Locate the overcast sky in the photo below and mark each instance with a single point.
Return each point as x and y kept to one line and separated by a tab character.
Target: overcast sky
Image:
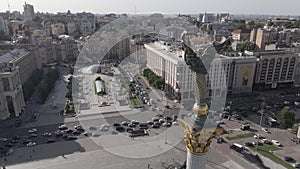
273	7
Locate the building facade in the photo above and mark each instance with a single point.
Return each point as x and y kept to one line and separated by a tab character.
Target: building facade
232	73
11	95
275	69
28	12
170	65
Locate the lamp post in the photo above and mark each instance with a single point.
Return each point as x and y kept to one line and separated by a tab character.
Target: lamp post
261	116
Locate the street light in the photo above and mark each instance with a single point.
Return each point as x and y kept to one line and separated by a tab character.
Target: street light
261	115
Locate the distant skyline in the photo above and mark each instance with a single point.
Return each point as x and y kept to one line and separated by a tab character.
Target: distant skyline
270	7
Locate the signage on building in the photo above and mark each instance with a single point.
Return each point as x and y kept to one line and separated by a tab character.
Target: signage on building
245	75
274	85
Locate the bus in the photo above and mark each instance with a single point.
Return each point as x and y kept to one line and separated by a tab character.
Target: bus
237	147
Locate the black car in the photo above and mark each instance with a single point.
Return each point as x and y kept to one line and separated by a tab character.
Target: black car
129	130
175	117
116	124
50	141
167	118
76	132
155	126
70	131
9	145
120	129
17	138
288	159
32	135
13	141
249	144
150	123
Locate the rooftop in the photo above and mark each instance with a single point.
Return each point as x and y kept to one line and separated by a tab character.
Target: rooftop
11	56
169	51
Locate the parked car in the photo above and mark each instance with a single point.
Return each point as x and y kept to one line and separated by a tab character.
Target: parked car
32	135
92	128
76	132
50	141
31	144
34	130
249	144
62	127
3	139
47	134
296	165
71	138
125	123
265	130
219	140
95	135
120	128
276	143
259	136
27	141
69	131
289	159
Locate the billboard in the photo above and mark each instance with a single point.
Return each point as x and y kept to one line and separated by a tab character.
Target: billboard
245	75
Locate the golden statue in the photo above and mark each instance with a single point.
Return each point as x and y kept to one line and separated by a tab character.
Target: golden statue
197	138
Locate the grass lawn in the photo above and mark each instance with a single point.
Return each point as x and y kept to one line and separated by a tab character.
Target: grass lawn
265	151
135	102
241	136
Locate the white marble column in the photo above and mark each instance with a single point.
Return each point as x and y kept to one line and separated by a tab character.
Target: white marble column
196	161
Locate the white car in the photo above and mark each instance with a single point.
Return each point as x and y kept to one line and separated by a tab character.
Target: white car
276	143
103	128
31	144
175	123
62	127
296	165
3	139
34	130
265	130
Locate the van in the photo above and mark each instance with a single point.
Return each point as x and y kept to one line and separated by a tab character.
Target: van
245	127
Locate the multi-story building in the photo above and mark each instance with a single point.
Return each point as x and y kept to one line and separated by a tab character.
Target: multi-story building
47	52
119	51
23	59
234	70
28	12
264	37
4	26
275	69
11	95
66	50
241	34
221	34
58	28
297	72
168	62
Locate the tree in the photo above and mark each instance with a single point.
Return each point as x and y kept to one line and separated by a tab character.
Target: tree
287	118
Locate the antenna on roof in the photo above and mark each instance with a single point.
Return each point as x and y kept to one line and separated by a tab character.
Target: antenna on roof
8	5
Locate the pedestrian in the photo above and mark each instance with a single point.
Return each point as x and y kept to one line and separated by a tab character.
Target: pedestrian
148	166
33	150
30	156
